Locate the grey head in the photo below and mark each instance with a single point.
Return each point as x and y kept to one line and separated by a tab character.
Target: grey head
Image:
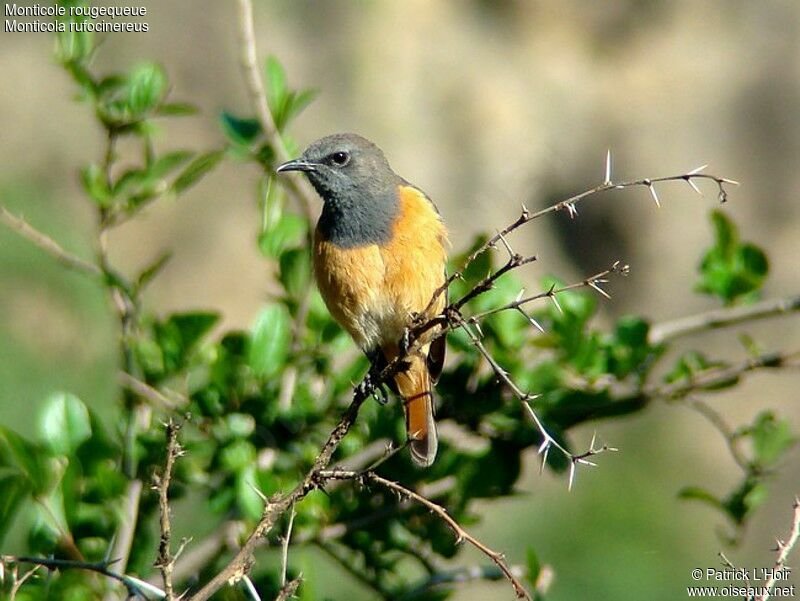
357	186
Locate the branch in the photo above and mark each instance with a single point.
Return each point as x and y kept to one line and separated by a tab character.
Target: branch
258	98
166	561
366	478
722	318
135	587
784	548
570	203
276	507
46	243
152	395
462	575
713	378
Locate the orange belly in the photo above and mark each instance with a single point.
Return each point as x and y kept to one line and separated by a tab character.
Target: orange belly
373	291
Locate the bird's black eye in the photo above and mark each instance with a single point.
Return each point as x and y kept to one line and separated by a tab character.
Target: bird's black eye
340	158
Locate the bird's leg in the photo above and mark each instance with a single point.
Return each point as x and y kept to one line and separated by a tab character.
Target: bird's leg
371	384
405	341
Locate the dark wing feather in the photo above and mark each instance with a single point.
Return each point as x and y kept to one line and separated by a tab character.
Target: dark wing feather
438	347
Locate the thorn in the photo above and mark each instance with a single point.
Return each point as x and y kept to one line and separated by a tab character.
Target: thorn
260	494
251	589
555	301
544	460
732	182
652	189
607	181
584	461
525	212
544	446
505	243
573	212
519	296
594	438
531	320
697	170
478	328
571	475
694	186
600	290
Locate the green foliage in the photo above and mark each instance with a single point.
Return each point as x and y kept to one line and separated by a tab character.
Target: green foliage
731	270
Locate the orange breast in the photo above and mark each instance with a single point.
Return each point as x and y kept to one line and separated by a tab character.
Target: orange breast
373	291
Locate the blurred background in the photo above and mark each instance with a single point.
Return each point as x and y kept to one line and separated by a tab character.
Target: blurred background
483	104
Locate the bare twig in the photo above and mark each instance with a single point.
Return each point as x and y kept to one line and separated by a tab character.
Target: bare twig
366	478
713	378
722	318
593	282
46	243
783	549
719	423
135	587
166	560
154	396
570	203
258	97
463	575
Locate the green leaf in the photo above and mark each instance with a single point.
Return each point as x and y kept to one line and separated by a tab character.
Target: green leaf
237	456
752	260
74	47
533	564
146	88
26	459
174	341
299	101
276	84
195	170
94	182
295	271
269	341
771	437
243	131
725	233
167	163
15	492
64	424
700	494
176	109
152	270
286	233
730	270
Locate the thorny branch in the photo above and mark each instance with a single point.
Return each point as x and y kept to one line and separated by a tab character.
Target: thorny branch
166	560
368	477
450	318
136	588
783	549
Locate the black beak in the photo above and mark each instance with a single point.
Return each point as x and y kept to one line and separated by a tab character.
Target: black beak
297	165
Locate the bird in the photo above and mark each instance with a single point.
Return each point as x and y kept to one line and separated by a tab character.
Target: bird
379	260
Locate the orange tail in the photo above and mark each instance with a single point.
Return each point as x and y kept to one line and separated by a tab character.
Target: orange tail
414	385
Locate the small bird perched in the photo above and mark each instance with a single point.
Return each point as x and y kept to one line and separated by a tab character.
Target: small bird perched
379	258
